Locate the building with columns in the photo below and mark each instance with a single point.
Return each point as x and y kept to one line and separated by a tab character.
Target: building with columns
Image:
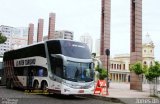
119	68
148	51
119	65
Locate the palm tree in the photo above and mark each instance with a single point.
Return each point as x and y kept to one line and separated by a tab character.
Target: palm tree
2	38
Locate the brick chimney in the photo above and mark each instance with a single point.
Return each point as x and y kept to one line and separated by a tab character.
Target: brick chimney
30	33
40	30
51	26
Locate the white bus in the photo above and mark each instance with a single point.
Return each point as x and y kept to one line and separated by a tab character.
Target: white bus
1	68
60	66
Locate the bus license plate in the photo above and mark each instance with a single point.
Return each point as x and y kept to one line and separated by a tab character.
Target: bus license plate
81	91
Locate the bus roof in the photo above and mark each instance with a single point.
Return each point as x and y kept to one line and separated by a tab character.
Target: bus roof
42	42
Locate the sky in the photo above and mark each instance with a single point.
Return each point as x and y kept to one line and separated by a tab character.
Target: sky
83	16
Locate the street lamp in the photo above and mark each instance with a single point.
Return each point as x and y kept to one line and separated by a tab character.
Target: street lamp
108	54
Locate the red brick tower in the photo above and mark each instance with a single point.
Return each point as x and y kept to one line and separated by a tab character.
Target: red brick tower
40	30
51	26
136	42
30	33
105	30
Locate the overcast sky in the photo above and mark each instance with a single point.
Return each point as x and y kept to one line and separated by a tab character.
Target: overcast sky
83	16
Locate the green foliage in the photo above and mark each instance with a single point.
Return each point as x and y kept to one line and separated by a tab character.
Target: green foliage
2	38
153	71
102	72
137	68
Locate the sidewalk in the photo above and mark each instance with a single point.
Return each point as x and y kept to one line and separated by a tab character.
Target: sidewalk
122	90
121	93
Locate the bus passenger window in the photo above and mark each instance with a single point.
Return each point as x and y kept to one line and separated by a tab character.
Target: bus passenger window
40	72
45	72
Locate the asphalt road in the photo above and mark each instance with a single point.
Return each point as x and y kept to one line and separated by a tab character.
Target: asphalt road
9	96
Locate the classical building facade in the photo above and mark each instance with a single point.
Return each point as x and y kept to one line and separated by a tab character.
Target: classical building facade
119	65
119	68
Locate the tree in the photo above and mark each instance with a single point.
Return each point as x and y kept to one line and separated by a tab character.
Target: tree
137	68
2	38
102	72
151	74
153	71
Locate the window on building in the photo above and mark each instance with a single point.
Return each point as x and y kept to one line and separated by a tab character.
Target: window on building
144	51
114	66
120	66
123	66
145	62
151	51
117	66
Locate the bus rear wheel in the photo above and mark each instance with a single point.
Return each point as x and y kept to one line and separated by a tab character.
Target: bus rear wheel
35	85
44	86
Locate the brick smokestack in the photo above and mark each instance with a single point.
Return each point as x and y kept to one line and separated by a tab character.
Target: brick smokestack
105	30
51	26
40	30
30	33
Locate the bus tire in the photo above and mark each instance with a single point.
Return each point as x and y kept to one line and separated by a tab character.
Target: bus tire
44	85
35	84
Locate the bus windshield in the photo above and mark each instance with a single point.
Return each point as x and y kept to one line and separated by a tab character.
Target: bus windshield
75	49
75	71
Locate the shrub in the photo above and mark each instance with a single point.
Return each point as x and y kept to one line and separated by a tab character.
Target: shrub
102	73
137	68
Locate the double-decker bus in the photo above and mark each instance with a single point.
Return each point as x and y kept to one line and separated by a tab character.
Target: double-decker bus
58	66
1	68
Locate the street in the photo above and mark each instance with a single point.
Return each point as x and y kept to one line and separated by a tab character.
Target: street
9	96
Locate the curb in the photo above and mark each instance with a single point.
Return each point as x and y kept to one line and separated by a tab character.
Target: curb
109	99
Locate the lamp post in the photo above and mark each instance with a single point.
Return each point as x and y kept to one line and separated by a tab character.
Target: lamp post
108	54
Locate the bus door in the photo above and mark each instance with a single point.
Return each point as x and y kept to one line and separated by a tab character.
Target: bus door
30	78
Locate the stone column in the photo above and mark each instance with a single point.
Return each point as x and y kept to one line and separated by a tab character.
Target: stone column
122	77
112	77
115	77
118	77
136	41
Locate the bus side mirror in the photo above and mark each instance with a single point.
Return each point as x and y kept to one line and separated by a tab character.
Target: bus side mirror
91	65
